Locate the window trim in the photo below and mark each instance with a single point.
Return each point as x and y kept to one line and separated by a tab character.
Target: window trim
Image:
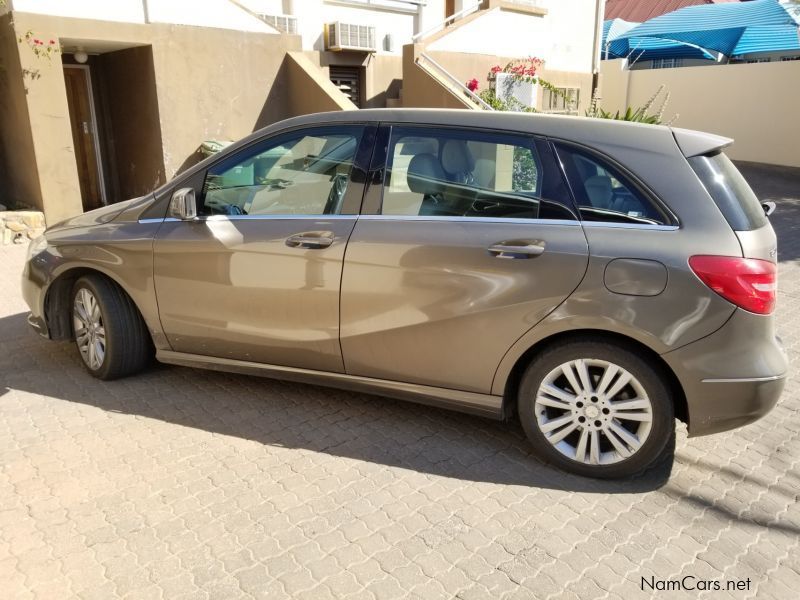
373	196
630	177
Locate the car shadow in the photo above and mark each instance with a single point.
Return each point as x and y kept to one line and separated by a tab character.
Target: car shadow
357	426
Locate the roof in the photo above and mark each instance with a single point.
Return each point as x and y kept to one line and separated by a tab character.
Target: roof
729	29
638	10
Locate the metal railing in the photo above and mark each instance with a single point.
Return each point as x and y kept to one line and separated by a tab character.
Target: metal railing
454	17
439	72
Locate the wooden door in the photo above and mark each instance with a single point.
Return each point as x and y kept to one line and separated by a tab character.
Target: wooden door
83	124
449	8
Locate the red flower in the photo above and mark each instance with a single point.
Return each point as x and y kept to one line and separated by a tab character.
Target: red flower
52	42
472	85
496	69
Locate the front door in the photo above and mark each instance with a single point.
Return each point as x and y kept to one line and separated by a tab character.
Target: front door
256	277
473	242
84	137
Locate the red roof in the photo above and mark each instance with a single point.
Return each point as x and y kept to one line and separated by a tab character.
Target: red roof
641	10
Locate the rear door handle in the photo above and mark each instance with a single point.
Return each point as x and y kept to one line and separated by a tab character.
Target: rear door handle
517	249
310	240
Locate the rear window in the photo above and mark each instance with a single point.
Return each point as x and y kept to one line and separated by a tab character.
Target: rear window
730	191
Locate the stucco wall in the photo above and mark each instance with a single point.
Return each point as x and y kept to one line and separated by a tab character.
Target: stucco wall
210	83
16	150
756	104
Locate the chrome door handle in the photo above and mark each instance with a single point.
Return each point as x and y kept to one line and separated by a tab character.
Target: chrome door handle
310	240
517	249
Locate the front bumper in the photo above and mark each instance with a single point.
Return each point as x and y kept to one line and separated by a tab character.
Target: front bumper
733	376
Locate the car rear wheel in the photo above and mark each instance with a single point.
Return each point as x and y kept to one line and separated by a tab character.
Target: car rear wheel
109	332
596	409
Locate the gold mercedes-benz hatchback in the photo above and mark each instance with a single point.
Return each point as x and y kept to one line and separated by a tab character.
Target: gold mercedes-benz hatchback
598	279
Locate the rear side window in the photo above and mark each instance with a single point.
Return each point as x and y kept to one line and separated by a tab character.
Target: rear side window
730	191
473	174
604	194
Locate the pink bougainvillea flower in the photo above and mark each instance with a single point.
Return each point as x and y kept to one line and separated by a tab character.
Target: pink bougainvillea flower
52	42
496	69
472	85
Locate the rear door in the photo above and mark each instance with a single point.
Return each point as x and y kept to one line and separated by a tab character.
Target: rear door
467	244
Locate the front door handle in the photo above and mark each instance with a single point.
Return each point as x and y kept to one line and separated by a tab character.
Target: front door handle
517	249
310	240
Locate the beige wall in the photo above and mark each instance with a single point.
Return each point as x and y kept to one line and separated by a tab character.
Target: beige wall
755	104
310	89
210	84
19	184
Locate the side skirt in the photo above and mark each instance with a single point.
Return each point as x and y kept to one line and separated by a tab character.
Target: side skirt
484	405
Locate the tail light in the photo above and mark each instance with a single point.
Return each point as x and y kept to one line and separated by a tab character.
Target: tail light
749	283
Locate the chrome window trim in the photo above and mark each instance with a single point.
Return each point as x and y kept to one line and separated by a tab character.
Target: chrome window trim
455	219
452	219
645	226
213	218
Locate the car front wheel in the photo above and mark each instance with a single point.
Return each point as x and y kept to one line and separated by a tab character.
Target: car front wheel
109	332
596	409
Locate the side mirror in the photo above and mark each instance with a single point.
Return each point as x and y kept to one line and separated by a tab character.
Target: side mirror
769	207
183	205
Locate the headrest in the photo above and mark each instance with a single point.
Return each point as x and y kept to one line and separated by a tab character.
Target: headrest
425	174
457	157
599	190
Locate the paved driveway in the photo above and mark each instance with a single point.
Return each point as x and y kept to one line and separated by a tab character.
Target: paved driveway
184	483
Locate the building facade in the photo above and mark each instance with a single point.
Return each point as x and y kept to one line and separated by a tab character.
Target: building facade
102	101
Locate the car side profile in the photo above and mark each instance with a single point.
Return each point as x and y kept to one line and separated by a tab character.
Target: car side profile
598	279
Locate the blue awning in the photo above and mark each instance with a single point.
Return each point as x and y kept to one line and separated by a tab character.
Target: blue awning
700	31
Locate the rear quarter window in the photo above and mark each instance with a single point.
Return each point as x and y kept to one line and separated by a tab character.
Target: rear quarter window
730	191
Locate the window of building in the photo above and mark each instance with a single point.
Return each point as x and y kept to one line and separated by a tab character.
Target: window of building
783	58
348	80
301	173
603	193
562	100
667	63
448	173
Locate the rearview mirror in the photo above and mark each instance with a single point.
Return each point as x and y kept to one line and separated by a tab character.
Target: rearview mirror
182	205
769	207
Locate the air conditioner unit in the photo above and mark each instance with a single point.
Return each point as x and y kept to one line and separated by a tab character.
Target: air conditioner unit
346	36
283	23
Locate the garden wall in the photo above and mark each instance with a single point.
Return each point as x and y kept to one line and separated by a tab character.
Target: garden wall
756	104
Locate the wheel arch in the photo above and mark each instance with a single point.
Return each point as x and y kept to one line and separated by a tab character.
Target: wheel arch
512	382
58	299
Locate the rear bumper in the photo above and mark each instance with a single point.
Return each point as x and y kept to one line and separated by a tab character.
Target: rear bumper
733	376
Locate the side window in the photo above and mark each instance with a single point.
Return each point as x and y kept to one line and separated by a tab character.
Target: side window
450	173
602	193
300	173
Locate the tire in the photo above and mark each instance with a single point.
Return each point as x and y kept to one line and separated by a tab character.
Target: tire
589	432
102	312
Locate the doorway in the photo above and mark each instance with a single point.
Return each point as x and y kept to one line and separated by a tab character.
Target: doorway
85	139
348	79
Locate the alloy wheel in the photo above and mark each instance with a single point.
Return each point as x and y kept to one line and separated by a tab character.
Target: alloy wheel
593	411
90	333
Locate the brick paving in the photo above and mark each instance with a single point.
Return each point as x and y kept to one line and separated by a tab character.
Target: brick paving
189	484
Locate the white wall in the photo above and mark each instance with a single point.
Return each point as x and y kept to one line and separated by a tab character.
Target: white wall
206	13
131	11
563	38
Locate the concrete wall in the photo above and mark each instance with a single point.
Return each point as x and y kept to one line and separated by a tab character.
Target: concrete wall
756	104
19	183
210	84
310	89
